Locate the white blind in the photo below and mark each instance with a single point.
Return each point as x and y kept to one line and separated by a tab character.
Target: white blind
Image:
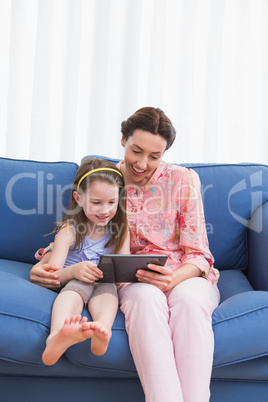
72	70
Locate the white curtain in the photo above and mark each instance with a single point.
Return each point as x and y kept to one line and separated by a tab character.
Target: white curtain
72	70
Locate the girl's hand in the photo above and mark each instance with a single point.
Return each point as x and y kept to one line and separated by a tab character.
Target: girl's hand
86	271
161	278
45	275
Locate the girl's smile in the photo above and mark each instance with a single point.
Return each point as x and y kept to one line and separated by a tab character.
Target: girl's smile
102	218
99	202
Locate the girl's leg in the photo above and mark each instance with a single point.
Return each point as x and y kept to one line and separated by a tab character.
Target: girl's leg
66	325
147	323
191	305
63	330
103	306
66	305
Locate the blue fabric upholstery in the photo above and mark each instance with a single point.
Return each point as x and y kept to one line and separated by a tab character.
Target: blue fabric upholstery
34	196
258	248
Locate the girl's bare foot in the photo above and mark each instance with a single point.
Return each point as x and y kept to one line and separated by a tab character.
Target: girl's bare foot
70	334
100	338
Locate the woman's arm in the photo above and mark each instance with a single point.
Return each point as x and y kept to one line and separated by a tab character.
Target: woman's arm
44	274
193	233
197	259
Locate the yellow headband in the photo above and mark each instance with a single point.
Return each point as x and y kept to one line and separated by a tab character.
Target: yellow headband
93	171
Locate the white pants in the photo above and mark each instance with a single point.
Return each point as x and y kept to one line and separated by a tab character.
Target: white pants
171	338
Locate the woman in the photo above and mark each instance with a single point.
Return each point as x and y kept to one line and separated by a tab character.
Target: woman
169	323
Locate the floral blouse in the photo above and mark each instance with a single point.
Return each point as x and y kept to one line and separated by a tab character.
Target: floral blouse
166	216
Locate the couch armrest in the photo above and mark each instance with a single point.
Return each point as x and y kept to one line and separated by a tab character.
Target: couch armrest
258	248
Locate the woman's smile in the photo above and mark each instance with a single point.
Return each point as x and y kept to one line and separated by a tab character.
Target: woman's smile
138	171
143	154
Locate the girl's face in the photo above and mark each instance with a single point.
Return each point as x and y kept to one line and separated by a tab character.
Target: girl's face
99	202
143	153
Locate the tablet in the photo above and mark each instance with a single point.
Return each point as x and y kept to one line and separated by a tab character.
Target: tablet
123	267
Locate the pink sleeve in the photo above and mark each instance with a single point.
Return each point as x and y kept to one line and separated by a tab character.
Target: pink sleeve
193	234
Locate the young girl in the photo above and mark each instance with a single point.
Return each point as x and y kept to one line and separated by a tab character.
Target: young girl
95	224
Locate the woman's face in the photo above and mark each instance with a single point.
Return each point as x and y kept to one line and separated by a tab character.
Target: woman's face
143	153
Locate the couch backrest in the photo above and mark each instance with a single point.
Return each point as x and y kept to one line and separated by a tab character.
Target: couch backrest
34	196
231	193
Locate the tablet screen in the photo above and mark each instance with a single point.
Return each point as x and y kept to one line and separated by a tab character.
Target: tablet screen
123	268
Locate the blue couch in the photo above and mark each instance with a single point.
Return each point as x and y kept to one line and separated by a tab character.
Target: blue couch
33	197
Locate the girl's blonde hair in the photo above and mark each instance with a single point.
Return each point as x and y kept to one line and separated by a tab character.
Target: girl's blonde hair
76	216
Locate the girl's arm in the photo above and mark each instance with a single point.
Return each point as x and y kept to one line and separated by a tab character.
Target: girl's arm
85	271
49	272
125	249
63	241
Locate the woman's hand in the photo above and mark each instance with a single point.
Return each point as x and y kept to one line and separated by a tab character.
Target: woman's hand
45	275
160	276
86	271
166	279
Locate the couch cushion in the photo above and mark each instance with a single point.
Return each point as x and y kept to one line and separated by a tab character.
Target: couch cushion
25	313
232	283
16	268
242	311
117	357
240	323
33	196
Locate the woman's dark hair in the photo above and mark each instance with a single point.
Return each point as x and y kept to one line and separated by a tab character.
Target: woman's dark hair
76	216
150	119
